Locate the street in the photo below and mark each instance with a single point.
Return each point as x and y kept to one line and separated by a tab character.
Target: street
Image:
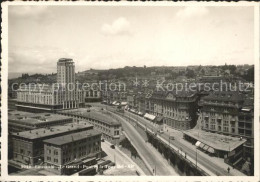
202	158
150	155
124	165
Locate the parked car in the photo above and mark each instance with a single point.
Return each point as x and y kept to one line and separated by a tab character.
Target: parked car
160	131
112	146
102	140
172	138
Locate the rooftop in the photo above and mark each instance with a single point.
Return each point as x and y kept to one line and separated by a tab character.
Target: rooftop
45	132
100	115
214	140
37	88
174	93
72	137
225	96
65	60
34	118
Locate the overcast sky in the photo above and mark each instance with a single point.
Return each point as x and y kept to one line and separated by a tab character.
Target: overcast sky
110	37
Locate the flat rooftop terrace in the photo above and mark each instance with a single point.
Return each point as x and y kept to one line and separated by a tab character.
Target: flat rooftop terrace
54	130
61	140
35	118
214	140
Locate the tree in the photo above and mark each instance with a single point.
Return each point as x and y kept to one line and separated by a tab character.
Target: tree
249	76
190	73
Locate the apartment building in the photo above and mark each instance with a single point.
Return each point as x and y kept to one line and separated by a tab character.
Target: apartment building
71	153
230	113
22	121
178	109
28	146
102	121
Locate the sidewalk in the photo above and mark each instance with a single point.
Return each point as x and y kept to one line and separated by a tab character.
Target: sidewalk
219	161
141	172
178	134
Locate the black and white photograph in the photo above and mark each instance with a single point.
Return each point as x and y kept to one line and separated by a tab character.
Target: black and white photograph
131	90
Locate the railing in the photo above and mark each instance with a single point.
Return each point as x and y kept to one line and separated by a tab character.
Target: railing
170	146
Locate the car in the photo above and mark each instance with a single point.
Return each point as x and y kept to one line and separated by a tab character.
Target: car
172	138
88	110
160	131
102	140
112	146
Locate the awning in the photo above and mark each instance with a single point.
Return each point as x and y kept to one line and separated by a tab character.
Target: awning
211	150
201	145
33	107
123	103
88	160
205	147
132	110
140	113
197	143
149	116
246	109
159	118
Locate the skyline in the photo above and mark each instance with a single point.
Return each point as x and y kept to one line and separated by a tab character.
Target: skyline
105	37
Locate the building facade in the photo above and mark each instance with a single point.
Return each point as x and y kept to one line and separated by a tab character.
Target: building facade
110	128
219	112
64	94
230	113
177	109
28	147
71	153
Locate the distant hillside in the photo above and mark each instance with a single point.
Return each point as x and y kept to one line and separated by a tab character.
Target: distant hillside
126	73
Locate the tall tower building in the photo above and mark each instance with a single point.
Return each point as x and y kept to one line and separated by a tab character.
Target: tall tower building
65	71
70	97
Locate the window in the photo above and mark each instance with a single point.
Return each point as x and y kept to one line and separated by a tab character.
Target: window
56	152
56	160
48	158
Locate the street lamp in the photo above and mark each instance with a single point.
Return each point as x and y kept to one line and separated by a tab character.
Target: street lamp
196	156
197	151
169	139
